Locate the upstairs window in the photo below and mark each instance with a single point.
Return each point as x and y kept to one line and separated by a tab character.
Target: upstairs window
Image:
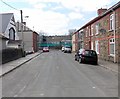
86	33
89	32
97	29
92	31
111	22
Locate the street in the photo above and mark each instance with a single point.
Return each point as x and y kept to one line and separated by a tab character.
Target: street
57	74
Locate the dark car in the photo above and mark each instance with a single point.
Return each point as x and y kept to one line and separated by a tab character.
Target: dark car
89	56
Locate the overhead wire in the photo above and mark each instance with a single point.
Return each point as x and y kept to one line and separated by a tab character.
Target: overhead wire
9	5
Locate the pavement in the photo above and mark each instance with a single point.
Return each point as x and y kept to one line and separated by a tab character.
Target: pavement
109	65
10	66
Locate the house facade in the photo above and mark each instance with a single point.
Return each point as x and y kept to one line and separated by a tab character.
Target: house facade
102	34
30	38
7	29
75	41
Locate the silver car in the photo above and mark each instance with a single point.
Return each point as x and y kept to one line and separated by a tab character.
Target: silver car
63	49
67	50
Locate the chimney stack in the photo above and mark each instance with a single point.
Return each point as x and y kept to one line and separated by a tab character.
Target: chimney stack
101	11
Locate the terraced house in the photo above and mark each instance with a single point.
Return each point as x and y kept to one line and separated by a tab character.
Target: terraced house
102	33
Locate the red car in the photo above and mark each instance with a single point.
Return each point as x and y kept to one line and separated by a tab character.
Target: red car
45	49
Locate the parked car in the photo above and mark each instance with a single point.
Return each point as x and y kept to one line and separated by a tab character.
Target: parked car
29	52
89	56
67	49
45	49
63	49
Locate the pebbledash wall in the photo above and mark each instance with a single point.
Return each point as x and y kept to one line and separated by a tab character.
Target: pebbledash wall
103	33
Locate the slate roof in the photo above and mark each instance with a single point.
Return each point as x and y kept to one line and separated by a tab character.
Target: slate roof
6	17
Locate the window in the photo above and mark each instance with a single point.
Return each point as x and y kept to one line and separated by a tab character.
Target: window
97	46
111	47
111	22
90	53
86	34
92	46
11	34
89	33
92	31
97	29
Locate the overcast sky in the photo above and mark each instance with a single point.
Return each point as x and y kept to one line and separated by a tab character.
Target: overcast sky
56	17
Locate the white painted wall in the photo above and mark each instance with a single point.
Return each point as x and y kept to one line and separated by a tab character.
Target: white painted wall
28	40
7	30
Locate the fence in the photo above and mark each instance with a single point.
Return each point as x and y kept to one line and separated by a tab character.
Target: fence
11	54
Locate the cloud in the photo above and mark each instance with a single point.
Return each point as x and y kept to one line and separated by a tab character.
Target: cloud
40	6
44	14
77	5
74	15
48	21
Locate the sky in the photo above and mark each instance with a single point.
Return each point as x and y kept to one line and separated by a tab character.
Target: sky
55	17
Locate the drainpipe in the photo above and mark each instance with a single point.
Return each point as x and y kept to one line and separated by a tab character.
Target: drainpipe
114	36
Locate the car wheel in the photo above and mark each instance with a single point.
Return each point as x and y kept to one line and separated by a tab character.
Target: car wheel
96	63
80	60
75	59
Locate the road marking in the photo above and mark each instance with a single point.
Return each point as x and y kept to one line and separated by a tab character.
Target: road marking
15	96
22	89
94	87
57	67
42	94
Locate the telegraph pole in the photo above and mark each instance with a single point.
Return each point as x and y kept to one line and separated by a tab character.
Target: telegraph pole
22	31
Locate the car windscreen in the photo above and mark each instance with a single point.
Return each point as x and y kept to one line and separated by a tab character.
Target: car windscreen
67	47
90	53
81	51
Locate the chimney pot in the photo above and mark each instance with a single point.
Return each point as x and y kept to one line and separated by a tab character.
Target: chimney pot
101	11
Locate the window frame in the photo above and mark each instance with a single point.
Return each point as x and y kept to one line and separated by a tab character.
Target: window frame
97	29
97	46
112	22
92	31
111	41
12	34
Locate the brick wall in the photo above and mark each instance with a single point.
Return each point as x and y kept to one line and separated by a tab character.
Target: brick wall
103	37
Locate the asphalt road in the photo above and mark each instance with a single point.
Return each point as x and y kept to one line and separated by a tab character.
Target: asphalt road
56	74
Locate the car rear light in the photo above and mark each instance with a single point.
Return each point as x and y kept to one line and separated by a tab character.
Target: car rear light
83	53
83	58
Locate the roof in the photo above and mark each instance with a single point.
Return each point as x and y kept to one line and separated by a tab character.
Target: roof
100	16
3	37
6	17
